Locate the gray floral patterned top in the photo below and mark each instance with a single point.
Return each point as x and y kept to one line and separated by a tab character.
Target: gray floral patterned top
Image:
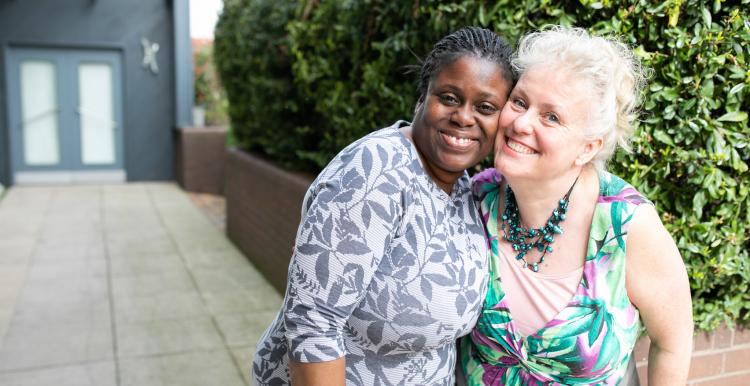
388	270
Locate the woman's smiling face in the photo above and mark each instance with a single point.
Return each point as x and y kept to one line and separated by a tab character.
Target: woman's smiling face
541	129
456	125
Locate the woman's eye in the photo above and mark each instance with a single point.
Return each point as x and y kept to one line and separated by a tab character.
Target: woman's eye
487	109
518	103
552	117
448	99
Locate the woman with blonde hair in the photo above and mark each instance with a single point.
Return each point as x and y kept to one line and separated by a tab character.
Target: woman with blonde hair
579	258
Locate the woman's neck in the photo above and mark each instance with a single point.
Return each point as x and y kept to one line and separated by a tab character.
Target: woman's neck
444	181
537	199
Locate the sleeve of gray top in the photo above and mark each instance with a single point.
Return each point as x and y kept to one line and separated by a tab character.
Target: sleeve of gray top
344	233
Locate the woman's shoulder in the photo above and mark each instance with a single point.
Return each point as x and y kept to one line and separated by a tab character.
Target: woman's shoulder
485	181
377	150
384	154
612	188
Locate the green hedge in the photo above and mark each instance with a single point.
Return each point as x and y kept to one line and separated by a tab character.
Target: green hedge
335	70
251	52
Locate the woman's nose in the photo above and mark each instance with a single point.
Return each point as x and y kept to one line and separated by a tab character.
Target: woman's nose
463	116
522	123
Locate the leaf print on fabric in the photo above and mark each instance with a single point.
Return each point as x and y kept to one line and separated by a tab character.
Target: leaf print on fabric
345	196
364	315
352	180
327	230
334	294
384	298
352	247
366	214
406	300
380	211
439	279
354	275
382	155
426	288
438	256
366	161
321	269
375	331
388	188
310	249
409	318
460	303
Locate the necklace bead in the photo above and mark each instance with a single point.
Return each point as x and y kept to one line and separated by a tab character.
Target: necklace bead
538	238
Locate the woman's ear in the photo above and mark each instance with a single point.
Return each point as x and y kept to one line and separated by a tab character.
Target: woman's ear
590	150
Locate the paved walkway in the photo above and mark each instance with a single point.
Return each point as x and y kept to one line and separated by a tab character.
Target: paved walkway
123	285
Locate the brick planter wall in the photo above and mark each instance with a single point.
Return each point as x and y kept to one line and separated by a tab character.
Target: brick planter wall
263	212
721	357
199	158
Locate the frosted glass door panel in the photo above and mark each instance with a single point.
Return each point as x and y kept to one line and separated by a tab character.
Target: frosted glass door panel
96	111
39	121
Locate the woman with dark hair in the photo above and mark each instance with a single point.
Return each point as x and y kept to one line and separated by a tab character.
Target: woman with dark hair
579	258
389	266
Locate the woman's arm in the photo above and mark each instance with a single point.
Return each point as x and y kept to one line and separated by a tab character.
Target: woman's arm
657	284
344	233
331	373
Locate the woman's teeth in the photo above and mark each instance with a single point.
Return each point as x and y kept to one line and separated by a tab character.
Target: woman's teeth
519	147
459	141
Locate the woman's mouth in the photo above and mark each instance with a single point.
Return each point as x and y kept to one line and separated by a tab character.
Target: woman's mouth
518	147
461	143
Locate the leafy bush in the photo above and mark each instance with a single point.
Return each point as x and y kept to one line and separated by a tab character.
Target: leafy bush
251	51
343	75
209	92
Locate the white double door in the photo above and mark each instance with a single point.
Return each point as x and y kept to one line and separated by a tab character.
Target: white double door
65	109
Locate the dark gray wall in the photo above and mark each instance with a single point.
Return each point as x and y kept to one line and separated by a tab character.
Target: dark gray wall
148	101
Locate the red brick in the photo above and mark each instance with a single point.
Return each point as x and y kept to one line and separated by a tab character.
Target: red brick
641	349
643	374
702	341
741	336
737	360
703	366
732	380
723	337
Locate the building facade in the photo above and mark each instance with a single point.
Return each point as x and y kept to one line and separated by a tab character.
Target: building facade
91	90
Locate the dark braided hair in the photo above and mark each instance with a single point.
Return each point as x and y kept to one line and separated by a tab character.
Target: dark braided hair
477	42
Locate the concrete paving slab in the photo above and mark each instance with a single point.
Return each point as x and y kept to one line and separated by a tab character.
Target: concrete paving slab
146	264
148	284
129	282
53	344
57	309
59	251
185	369
134	247
244	330
161	306
238	279
224	302
167	337
87	374
228	258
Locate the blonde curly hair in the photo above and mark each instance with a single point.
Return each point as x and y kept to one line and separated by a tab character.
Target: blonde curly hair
616	76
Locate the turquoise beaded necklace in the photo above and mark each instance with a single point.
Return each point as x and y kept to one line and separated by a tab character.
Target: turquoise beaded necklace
539	238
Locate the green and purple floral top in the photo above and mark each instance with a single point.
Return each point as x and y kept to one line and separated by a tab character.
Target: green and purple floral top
590	341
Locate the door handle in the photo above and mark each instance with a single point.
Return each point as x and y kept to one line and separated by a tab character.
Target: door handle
37	117
85	113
